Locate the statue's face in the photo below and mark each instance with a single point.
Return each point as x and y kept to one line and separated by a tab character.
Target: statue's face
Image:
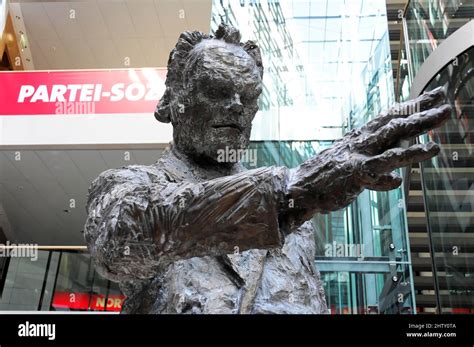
222	85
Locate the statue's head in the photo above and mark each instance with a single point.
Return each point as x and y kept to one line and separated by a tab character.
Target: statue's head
212	87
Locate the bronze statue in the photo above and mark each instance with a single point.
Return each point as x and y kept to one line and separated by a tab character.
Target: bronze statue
192	234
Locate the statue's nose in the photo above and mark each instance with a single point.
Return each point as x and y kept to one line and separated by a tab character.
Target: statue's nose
235	105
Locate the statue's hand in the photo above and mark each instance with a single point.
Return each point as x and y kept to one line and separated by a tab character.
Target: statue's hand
374	150
366	157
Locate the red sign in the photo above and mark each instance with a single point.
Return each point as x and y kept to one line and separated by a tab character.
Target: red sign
85	301
81	91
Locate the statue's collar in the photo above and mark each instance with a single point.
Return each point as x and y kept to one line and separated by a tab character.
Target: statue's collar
182	167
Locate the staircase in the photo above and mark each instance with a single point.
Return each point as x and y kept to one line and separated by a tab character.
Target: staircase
452	225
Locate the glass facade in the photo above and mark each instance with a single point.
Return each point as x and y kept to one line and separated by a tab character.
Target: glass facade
338	54
23	283
426	24
448	187
444	185
58	281
327	71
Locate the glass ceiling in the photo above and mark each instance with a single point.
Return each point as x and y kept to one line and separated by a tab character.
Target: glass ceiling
336	40
321	59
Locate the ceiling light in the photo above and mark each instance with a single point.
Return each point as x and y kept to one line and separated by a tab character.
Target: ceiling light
23	42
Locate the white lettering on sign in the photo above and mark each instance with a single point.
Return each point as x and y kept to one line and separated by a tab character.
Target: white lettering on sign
40	94
57	93
25	91
88	92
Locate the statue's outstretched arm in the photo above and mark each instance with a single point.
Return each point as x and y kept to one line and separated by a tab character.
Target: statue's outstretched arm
364	158
135	226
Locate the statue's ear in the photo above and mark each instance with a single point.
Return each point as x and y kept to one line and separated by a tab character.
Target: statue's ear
254	51
163	109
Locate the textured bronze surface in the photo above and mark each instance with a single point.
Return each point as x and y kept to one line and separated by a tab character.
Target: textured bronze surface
193	234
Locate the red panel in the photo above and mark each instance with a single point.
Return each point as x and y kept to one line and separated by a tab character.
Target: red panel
81	91
84	301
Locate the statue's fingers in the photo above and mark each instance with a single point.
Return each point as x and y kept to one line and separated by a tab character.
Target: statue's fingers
385	182
398	157
422	103
405	128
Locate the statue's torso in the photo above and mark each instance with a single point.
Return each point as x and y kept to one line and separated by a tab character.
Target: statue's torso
254	281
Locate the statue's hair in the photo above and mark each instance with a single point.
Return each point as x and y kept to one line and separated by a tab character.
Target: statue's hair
179	58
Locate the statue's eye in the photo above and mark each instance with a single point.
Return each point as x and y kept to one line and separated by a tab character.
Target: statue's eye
213	92
222	93
225	93
218	92
248	98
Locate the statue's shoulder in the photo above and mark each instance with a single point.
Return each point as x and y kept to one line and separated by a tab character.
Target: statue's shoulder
133	174
126	179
